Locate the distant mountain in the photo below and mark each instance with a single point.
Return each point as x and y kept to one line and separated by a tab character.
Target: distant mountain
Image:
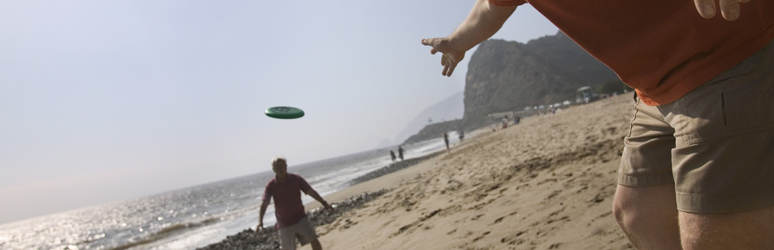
508	76
433	131
446	110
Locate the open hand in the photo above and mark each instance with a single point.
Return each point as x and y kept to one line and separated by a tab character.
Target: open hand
450	57
728	8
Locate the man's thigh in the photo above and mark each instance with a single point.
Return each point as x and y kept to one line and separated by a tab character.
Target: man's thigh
287	238
723	160
646	159
303	230
743	230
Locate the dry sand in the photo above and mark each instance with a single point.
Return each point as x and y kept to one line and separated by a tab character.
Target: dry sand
546	183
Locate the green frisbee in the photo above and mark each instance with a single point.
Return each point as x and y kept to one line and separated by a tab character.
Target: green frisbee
282	112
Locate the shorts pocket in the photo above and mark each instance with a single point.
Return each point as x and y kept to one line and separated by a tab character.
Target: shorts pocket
738	101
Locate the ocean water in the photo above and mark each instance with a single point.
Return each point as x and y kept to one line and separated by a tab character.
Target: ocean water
190	217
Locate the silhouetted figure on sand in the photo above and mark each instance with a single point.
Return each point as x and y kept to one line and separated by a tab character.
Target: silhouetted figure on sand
292	222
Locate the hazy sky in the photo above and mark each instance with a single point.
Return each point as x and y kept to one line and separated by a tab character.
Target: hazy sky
102	101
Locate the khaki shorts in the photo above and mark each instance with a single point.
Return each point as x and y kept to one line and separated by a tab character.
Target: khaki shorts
302	230
715	144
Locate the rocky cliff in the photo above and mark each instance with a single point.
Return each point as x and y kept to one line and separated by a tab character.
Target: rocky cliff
508	76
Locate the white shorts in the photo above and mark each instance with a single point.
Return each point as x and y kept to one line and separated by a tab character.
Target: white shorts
302	230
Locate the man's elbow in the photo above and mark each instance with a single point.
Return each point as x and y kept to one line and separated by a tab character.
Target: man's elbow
500	8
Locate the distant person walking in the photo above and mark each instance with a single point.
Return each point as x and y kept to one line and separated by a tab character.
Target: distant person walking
392	154
400	152
462	135
292	221
446	140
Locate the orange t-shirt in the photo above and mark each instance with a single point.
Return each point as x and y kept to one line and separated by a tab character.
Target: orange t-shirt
662	48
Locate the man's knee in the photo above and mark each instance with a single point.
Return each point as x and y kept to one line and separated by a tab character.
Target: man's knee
648	216
620	211
316	244
625	208
643	208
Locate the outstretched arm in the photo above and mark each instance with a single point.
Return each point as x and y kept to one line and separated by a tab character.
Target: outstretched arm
317	197
484	20
728	8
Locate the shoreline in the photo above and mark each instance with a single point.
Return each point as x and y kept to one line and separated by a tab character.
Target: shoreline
362	190
268	238
546	183
382	178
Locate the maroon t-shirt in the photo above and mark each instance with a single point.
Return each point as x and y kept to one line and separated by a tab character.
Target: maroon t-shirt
287	199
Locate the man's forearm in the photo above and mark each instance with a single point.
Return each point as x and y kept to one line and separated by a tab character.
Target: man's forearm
317	197
484	20
263	211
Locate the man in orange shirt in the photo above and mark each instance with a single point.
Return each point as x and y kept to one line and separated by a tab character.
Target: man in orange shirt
697	171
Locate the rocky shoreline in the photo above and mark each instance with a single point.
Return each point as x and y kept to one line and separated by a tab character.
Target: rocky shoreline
267	239
394	167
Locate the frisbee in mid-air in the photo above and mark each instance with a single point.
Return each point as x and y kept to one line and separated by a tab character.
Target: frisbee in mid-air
282	112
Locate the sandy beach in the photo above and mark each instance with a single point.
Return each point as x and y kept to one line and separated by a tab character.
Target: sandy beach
546	183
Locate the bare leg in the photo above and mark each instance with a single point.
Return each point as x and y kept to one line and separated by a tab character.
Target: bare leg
316	245
648	216
744	230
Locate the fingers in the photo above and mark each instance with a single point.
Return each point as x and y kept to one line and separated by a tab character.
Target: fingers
448	67
431	42
729	9
446	60
451	69
706	8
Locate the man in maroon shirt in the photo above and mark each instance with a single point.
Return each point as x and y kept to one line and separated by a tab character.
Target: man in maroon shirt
291	218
